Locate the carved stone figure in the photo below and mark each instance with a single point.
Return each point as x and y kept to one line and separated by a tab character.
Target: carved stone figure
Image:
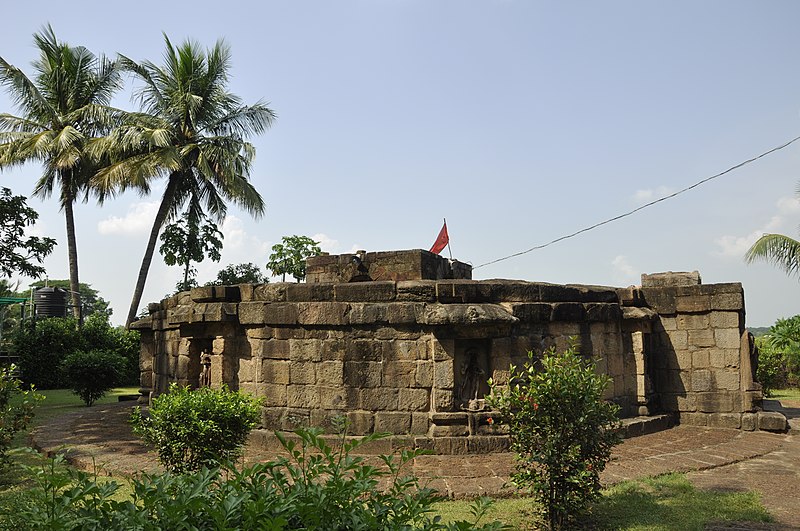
472	374
205	371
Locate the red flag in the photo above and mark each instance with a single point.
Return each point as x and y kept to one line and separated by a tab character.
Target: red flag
441	240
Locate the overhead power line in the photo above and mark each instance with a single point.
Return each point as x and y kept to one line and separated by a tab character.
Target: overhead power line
642	207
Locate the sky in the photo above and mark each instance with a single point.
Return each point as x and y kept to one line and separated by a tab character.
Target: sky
519	121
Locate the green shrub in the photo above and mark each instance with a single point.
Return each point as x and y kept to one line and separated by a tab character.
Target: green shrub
16	407
192	429
316	487
91	374
561	429
42	346
98	334
779	355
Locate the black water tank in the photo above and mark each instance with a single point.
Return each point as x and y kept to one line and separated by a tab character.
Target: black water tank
50	302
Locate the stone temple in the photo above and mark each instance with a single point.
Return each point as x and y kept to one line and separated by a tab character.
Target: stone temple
404	342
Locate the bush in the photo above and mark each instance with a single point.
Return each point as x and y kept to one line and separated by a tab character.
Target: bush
42	346
561	430
779	355
98	334
91	374
192	429
316	487
16	408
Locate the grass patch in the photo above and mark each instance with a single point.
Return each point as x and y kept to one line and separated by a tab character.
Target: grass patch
786	394
665	503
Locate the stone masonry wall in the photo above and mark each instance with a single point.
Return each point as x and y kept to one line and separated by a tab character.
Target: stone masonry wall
412	357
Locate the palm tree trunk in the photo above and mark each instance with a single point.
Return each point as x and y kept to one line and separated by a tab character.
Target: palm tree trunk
161	217
72	252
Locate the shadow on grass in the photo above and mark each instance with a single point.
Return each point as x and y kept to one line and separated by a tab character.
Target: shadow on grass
671	502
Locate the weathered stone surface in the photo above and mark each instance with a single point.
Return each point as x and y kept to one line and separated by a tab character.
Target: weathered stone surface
771	421
399	374
365	292
715	402
414	399
303	292
380	399
727	337
728	301
403	313
701	338
361	422
274	371
701	381
321	313
539	312
416	290
568	311
693	303
361	374
725	420
749	421
465	314
270	292
660	300
393	422
671	279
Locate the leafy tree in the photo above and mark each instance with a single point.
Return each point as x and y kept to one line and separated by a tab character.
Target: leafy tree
779	355
782	251
190	239
92	374
62	106
290	256
233	274
90	298
41	346
18	253
193	131
16	407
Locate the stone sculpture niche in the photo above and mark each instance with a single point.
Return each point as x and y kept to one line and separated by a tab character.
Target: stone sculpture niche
471	372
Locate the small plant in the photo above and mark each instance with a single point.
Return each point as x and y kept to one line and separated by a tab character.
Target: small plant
317	487
16	408
192	429
561	430
92	374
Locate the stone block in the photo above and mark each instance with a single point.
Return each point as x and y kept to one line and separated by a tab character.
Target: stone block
304	292
330	373
274	371
322	313
725	420
720	319
403	313
302	396
728	301
366	313
443	377
568	312
694	419
693	303
295	418
771	421
305	350
252	313
381	291
420	423
449	431
727	338
335	398
700	359
701	381
302	372
715	402
363	350
602	312
399	374
414	400
669	323
749	421
272	395
416	290
423	375
280	313
716	358
270	292
728	380
732	357
443	399
247	370
393	422
660	300
534	312
361	374
270	349
678	340
690	321
360	422
405	350
669	279
380	399
701	338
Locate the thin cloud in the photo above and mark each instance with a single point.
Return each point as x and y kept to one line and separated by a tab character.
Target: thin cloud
737	246
138	220
624	273
647	195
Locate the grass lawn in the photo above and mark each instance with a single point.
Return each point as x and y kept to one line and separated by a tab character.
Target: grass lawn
786	394
664	503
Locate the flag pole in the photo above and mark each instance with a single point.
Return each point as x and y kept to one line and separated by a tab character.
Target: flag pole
448	241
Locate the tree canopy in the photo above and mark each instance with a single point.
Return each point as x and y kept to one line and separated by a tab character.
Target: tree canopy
290	256
20	254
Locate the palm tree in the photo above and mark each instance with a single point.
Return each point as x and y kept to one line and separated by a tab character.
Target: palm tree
191	130
63	106
781	250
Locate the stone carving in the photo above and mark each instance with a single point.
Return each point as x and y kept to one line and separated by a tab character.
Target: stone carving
205	371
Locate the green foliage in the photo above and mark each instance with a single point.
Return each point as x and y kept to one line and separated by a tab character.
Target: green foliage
16	407
779	355
561	430
782	251
233	274
290	256
41	348
18	253
91	374
315	487
192	429
190	239
91	301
